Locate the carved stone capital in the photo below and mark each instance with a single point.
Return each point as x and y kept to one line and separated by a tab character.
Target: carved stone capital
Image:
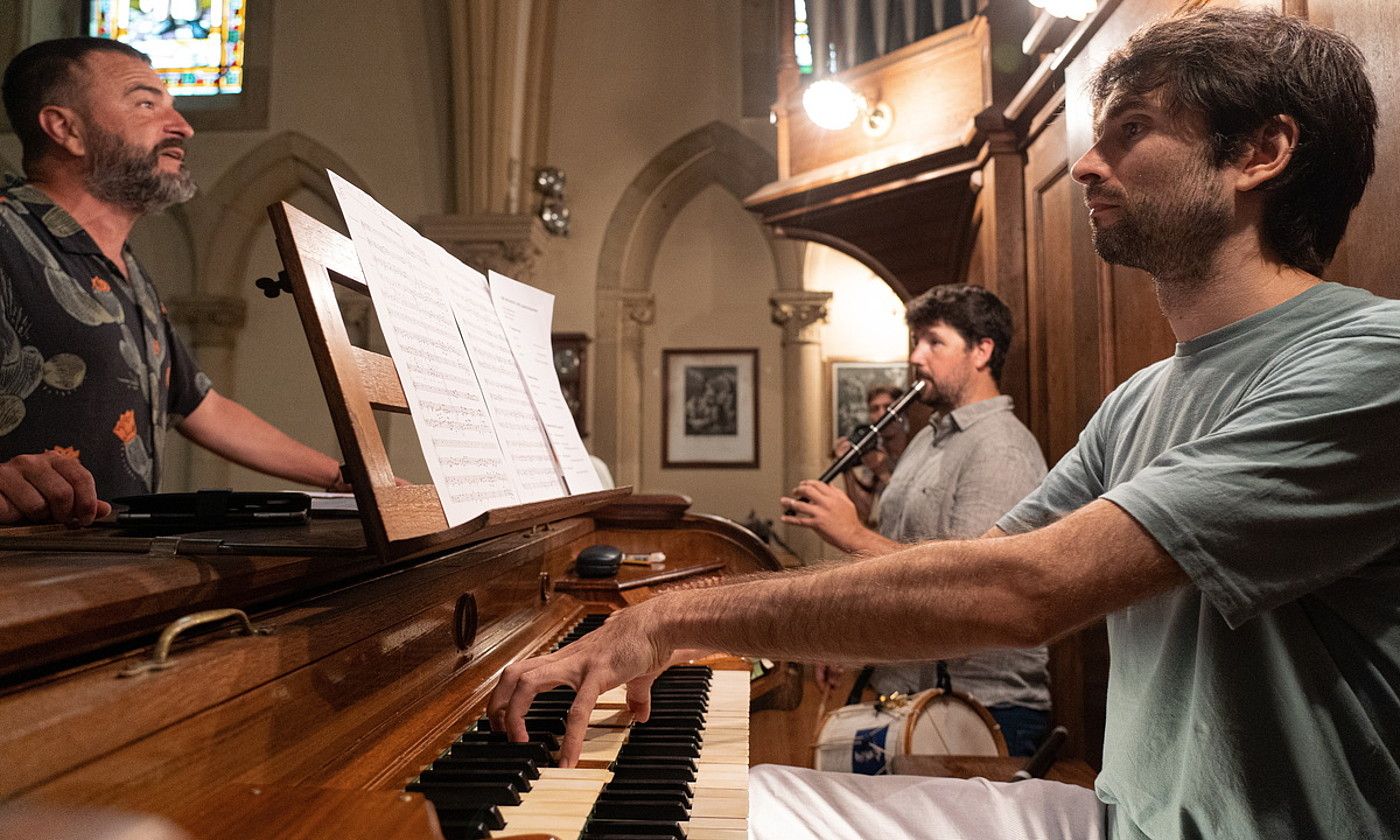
637	307
797	311
509	243
213	320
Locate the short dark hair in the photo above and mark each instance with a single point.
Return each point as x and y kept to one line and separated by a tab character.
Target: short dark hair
1237	70
894	392
971	310
47	74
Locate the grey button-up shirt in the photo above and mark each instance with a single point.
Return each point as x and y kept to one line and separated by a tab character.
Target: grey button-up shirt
957	477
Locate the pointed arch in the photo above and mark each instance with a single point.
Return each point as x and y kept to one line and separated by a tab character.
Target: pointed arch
714	154
235	210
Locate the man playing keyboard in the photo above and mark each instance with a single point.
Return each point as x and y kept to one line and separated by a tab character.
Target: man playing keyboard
1232	510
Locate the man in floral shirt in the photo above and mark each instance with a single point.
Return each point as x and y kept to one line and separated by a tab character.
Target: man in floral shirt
91	373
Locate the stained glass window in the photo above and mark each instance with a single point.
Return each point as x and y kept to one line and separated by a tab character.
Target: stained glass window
195	45
802	37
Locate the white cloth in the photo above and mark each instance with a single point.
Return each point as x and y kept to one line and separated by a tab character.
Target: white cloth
795	803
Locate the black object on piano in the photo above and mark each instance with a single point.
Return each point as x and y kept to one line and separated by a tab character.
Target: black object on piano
598	561
210	509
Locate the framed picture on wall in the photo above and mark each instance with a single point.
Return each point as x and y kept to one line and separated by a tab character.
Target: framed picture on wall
851	382
709	408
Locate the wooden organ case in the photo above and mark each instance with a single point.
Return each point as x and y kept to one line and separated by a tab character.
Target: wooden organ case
368	649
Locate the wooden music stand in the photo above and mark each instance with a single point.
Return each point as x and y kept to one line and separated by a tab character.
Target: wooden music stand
399	521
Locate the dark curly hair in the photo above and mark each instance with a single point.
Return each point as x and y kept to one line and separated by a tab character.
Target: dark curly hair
1237	70
971	310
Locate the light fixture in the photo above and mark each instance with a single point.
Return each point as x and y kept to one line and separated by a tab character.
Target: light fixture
1072	9
549	183
834	106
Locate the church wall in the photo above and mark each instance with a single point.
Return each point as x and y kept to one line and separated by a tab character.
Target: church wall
388	118
630	79
713	293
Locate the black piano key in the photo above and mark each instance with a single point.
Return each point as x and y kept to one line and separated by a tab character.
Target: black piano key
680	788
524	766
549	739
664	738
639	809
550	725
654	772
534	750
642	828
468	829
643	796
515	778
644	750
488	818
664	760
466	796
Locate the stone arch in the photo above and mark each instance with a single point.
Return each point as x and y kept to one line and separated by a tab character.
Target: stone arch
715	154
235	210
225	221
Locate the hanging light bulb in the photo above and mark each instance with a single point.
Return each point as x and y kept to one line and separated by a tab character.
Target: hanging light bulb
830	104
1072	9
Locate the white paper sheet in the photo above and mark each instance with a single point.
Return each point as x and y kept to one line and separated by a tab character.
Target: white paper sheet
526	314
517	427
449	412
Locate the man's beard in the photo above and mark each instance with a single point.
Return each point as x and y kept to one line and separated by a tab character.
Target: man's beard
939	397
120	174
1172	235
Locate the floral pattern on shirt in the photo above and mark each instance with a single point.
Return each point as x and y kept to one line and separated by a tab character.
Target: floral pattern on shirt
88	360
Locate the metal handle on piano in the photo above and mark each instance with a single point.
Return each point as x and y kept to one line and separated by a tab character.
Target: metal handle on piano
160	657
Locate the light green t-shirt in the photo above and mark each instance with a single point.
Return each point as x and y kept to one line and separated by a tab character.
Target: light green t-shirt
1262	700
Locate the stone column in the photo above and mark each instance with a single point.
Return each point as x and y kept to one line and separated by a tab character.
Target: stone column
800	314
501	68
212	323
619	365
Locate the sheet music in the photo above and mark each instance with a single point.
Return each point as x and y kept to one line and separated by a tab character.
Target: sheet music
526	314
449	412
518	428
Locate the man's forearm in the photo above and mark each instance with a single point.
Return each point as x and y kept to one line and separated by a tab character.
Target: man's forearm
867	542
825	615
230	430
935	600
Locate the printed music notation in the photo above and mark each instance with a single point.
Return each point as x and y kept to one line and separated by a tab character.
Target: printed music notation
449	410
526	314
527	449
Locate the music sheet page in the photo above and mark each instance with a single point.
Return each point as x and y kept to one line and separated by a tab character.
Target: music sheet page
449	411
526	313
518	428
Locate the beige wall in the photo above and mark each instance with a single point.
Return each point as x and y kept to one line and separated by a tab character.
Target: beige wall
388	121
713	293
630	79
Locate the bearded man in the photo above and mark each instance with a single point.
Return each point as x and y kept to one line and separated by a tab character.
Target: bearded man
1232	509
91	372
961	473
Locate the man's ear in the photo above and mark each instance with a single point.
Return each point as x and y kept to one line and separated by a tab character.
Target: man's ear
1268	154
982	352
64	128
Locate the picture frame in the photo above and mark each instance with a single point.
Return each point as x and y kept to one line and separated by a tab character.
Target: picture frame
850	381
709	408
